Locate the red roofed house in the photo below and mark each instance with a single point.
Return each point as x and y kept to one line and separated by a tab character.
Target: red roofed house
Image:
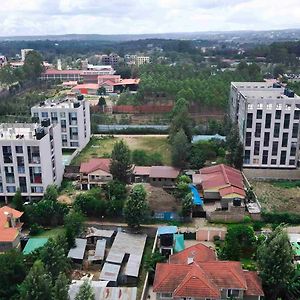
195	274
10	227
220	182
94	173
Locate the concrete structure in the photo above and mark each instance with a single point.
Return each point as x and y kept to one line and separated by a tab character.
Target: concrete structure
267	116
72	115
24	52
112	59
31	158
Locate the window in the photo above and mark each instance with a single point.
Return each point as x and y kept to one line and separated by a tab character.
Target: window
266	139
35	174
278	114
275	148
166	295
36	115
259	106
247	157
278	106
268	121
276	130
259	113
248	139
257	129
256	148
273	161
34	154
291	162
265	157
74	144
73	133
283	157
37	189
249	120
11	189
19	149
233	293
62	114
293	149
286	123
22	184
9	174
73	118
44	114
7	155
285	137
54	117
21	164
269	106
297	114
295	130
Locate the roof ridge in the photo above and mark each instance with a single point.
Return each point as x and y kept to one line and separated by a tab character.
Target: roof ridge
237	277
225	174
253	281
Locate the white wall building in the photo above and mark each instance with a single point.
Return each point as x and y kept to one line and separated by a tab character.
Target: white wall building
24	52
141	60
267	116
72	115
31	158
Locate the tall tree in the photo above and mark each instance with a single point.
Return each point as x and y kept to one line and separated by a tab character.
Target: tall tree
274	258
85	292
60	288
136	207
17	201
180	149
37	284
73	223
235	148
187	205
33	65
51	193
120	166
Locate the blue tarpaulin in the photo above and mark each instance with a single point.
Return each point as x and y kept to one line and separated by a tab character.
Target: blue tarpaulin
196	197
167	230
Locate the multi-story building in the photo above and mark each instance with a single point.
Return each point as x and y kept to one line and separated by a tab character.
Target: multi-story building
31	158
141	60
267	116
111	59
24	52
72	115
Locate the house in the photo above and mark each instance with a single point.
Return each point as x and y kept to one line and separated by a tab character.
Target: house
220	182
140	174
77	253
94	173
86	89
10	228
166	239
206	280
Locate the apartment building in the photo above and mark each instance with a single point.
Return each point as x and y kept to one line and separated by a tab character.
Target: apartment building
31	158
267	116
141	60
72	115
24	52
111	59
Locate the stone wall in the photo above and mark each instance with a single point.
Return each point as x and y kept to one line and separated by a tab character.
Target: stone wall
272	174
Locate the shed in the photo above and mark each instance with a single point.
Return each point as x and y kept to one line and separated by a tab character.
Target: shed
33	244
77	253
167	230
93	234
99	251
110	272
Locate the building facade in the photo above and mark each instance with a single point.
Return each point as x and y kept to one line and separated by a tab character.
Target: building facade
72	115
31	158
267	116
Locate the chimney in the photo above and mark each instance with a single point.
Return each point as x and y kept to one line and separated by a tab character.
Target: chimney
10	219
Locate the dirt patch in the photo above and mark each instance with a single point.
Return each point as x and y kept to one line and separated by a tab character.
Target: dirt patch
160	201
65	199
275	198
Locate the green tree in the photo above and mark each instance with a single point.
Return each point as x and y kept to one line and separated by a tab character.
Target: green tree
51	193
101	91
235	148
274	258
187	205
37	284
120	166
33	65
116	189
136	207
60	288
7	75
180	149
12	273
17	201
85	292
73	223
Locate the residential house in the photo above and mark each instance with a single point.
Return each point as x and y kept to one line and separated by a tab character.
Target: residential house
95	173
10	228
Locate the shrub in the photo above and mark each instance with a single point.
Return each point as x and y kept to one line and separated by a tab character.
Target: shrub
281	217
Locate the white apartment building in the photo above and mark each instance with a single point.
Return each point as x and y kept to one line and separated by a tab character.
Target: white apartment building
141	60
31	158
267	116
72	115
24	52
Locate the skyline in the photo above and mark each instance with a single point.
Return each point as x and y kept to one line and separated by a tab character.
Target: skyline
61	17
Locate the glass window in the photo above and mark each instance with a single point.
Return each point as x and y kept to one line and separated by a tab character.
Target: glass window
266	139
265	157
259	113
295	130
233	293
248	138
62	114
11	189
250	106
285	137
269	106
44	114
273	161
297	114
278	114
268	121
259	105
256	147
275	148
291	162
283	157
257	129
247	157
293	149
278	106
276	130
7	155
249	120
19	149
286	123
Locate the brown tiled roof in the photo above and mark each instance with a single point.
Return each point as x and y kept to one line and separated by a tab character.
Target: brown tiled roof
163	172
95	164
199	253
8	234
253	284
140	170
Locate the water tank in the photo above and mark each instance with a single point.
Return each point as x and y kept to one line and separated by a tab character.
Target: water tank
237	202
45	122
39	133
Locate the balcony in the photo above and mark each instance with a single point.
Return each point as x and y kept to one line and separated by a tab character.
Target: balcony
36	178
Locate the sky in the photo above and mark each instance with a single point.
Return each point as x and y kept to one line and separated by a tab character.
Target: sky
44	17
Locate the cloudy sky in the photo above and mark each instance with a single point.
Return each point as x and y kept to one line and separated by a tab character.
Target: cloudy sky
41	17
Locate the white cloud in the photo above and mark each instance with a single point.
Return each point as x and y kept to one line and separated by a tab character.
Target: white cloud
36	17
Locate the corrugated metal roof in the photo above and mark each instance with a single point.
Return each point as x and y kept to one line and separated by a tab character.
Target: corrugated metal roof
167	230
110	272
78	251
92	231
99	251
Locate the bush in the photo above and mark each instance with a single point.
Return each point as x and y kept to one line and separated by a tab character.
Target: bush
281	217
257	225
35	229
89	204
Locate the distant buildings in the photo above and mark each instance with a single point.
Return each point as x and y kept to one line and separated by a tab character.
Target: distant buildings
267	116
24	52
31	158
72	115
137	59
3	60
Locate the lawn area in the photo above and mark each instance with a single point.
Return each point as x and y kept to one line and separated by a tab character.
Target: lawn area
102	147
278	196
51	233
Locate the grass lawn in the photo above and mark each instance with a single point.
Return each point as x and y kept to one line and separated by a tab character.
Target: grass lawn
102	147
51	233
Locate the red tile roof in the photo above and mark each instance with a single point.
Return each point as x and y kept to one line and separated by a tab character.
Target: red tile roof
140	170
253	284
163	172
58	72
9	234
199	253
91	86
95	164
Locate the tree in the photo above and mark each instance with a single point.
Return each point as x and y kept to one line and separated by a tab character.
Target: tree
54	258
17	201
235	148
274	258
101	91
51	193
136	208
61	288
120	166
12	273
37	284
73	224
33	65
85	292
187	205
180	149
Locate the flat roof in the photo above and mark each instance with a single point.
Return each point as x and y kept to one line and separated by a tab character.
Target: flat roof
78	251
66	102
110	272
92	231
33	244
269	94
253	208
253	84
132	244
99	251
18	131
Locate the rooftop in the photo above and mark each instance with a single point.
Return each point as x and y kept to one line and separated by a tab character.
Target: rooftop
272	94
66	102
253	85
95	164
110	272
163	172
78	251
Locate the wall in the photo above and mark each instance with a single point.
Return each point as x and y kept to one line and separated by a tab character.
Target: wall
272	174
208	234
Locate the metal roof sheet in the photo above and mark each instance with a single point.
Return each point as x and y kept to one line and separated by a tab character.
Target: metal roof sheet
110	272
78	251
99	251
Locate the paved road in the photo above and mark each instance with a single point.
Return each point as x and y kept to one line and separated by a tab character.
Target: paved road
130	135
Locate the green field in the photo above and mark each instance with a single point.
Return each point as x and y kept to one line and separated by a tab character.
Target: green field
50	233
102	147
